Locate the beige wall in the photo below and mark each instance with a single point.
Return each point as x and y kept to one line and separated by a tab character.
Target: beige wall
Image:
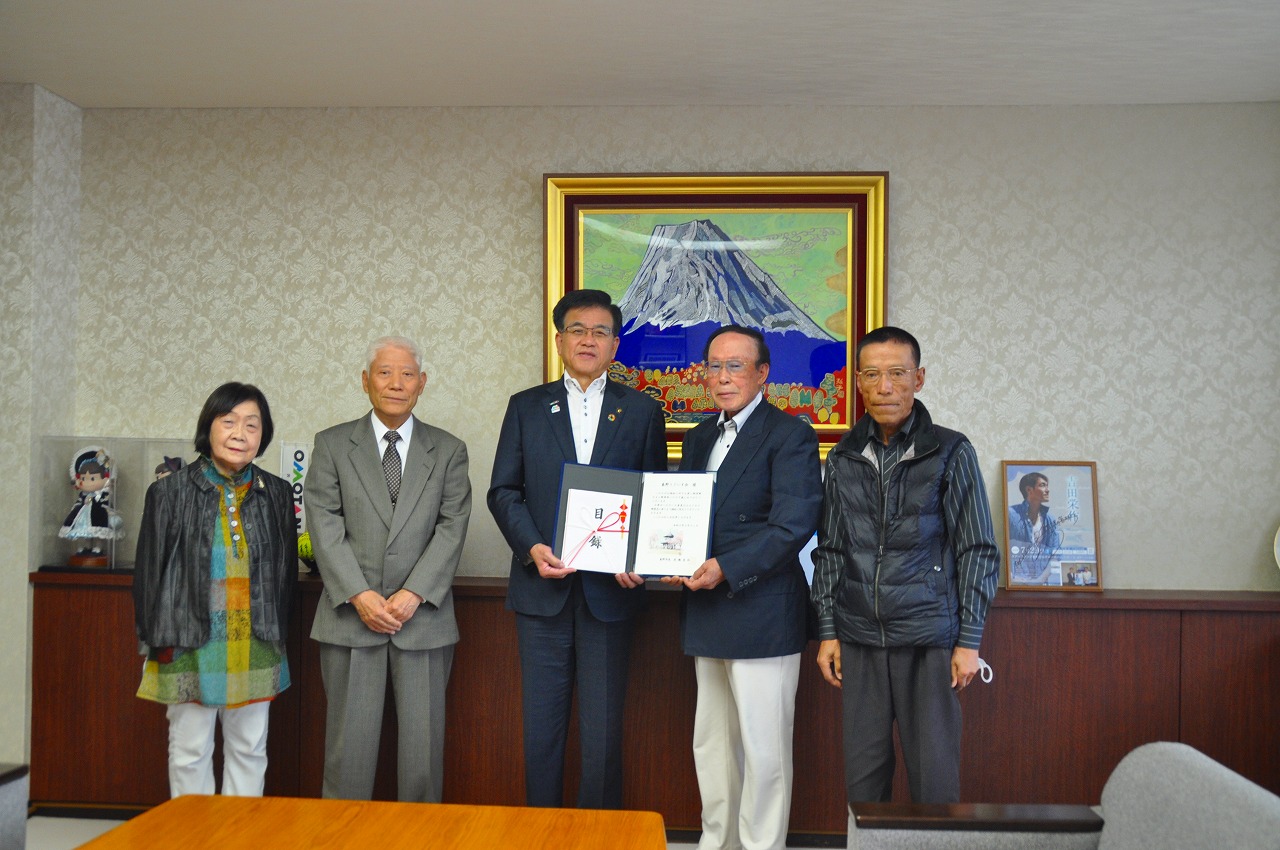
40	148
1096	283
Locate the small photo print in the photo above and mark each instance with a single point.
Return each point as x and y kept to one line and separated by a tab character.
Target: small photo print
671	542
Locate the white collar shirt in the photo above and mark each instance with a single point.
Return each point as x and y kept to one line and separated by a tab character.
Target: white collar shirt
402	445
729	432
584	414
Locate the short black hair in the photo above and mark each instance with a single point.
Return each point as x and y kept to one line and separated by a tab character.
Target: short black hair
222	401
888	333
580	298
1029	481
762	347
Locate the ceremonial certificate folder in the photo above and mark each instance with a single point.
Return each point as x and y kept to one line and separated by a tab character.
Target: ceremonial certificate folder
620	521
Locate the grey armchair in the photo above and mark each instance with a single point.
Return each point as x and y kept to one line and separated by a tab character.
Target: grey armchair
14	784
1162	795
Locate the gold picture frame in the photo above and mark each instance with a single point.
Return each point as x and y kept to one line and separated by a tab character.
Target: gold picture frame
816	240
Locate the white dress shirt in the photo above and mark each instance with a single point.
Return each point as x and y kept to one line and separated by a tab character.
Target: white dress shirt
729	432
402	445
584	414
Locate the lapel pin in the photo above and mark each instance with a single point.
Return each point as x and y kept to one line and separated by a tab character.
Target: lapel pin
555	407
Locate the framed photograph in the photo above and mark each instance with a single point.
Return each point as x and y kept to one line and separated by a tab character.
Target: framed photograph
1051	525
800	257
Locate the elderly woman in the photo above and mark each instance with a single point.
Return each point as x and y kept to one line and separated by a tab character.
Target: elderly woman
213	583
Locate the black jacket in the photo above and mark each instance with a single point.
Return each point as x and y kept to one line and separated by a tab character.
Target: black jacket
171	577
898	586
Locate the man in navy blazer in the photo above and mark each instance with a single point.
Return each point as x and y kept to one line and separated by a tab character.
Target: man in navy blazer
744	611
571	626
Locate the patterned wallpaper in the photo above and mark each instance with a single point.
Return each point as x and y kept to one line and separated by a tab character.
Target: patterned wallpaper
56	223
1088	283
16	274
40	147
1098	283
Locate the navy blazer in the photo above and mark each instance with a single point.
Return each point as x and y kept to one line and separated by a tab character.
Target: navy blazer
767	502
524	492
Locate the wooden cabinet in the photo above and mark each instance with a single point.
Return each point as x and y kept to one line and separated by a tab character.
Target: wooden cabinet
1080	679
95	742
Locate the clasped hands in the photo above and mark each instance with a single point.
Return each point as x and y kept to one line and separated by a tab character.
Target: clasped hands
386	616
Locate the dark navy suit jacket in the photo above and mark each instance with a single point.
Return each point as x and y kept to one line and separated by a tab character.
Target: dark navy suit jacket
524	492
767	501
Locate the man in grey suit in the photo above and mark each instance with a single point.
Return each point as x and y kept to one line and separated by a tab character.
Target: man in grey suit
744	610
388	500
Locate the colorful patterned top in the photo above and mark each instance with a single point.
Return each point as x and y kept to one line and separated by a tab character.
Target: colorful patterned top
233	668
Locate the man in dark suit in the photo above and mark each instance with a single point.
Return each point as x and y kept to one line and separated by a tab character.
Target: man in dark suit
571	625
744	610
388	500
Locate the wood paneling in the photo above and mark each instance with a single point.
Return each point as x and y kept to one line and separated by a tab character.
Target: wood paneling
1080	679
483	761
92	741
1231	690
1073	691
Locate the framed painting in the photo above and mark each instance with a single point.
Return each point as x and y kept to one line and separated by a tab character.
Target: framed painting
800	257
1051	525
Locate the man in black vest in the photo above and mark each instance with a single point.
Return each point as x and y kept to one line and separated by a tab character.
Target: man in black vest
904	572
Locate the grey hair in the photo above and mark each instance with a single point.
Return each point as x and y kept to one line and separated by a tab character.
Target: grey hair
392	342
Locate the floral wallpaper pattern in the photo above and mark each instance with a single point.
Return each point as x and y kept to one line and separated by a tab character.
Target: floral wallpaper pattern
39	259
1082	279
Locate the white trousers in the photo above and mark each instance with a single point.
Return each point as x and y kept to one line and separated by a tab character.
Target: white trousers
244	748
742	733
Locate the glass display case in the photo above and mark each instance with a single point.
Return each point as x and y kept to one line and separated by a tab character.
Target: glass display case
56	500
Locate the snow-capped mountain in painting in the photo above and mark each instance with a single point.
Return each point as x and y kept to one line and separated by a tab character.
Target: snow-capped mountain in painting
693	273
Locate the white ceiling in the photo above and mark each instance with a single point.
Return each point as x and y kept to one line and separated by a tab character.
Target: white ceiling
213	53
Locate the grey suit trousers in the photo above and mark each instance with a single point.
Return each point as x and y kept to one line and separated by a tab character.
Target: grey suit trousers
355	682
912	685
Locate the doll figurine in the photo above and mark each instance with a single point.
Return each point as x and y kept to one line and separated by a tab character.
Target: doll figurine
92	518
168	466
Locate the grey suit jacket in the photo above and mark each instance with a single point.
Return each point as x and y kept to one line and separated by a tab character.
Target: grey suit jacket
360	543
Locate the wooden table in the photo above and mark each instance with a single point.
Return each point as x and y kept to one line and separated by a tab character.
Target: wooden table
281	823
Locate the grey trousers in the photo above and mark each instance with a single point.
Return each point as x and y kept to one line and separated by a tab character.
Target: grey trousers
910	685
355	682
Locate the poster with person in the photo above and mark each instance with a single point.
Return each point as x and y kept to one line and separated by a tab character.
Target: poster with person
1051	527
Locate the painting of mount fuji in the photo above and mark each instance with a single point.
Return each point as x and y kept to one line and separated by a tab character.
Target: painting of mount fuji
678	279
799	256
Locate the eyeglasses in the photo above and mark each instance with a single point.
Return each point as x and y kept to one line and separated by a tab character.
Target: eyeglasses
733	367
897	376
599	332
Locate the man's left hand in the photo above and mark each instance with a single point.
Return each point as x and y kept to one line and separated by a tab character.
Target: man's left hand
403	604
706	576
629	580
964	666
